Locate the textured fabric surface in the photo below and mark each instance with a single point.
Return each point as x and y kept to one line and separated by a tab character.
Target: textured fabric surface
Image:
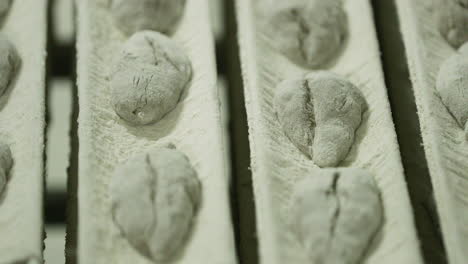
194	127
277	164
444	140
22	123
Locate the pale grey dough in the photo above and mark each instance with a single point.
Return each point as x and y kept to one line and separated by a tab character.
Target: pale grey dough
310	33
452	21
320	115
335	214
154	200
452	85
4	8
132	16
9	63
6	162
148	78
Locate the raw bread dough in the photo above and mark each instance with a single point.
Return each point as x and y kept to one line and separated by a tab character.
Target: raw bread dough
132	16
9	62
452	85
154	200
148	78
320	114
6	162
310	33
452	21
335	214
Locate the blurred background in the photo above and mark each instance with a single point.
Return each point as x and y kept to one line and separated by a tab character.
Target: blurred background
60	98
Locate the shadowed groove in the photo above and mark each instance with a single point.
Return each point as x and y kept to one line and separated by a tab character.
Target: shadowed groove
244	215
406	121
